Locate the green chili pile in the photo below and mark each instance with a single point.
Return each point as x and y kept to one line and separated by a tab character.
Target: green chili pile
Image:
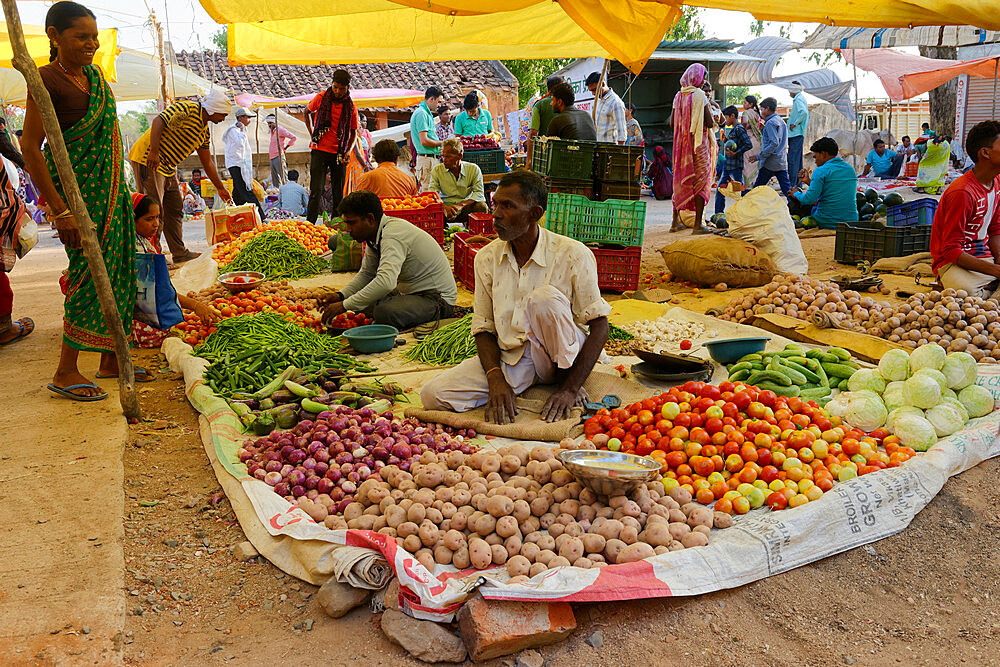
617	333
278	257
451	344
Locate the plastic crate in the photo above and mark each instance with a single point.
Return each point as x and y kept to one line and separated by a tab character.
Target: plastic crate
604	190
571	186
618	270
613	221
491	161
481	223
618	163
918	212
910	169
465	256
870	241
558	158
429	218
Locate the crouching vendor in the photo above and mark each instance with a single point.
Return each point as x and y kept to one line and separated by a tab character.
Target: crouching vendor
538	314
405	278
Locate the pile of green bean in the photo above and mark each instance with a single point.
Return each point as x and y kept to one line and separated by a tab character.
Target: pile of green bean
451	344
278	257
250	333
617	333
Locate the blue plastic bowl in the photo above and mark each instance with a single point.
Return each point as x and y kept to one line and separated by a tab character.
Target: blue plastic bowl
372	338
731	349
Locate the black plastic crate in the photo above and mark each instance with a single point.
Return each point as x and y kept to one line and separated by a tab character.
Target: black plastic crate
605	190
559	158
491	161
617	163
571	186
870	241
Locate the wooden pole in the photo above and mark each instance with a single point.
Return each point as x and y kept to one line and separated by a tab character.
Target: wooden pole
74	200
600	86
164	94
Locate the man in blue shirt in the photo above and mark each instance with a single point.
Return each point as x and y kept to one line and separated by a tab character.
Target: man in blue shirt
424	134
732	165
832	187
292	197
798	120
880	159
773	156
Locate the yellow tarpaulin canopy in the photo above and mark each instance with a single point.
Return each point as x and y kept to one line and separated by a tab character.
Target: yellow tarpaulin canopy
316	31
38	47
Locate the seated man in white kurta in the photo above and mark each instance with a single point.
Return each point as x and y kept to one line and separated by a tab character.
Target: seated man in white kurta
538	314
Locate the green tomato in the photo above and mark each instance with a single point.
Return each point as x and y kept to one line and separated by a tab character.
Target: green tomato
846	473
670	410
714	412
756	497
614	444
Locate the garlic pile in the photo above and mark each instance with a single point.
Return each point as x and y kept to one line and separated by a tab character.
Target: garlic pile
663	330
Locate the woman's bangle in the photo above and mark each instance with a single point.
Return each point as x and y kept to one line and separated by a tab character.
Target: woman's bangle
64	214
495	368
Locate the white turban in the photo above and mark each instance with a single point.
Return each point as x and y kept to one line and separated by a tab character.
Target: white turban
795	88
217	102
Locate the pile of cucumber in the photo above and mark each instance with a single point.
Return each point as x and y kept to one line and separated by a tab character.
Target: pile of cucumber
809	374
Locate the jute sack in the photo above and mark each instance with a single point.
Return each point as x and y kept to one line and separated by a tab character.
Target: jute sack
709	260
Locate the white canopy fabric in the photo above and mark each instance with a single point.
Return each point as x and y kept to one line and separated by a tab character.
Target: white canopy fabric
138	80
836	37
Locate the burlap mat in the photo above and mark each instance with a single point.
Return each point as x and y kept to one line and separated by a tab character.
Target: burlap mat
529	425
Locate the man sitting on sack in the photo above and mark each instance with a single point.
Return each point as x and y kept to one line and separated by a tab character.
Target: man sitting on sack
538	314
405	278
459	183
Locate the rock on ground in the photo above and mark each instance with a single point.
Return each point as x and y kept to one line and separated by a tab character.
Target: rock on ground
492	628
337	599
424	640
244	551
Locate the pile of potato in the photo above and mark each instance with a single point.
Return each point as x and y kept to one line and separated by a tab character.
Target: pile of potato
796	296
521	509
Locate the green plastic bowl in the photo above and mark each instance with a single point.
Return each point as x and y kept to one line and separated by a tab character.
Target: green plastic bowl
372	338
729	350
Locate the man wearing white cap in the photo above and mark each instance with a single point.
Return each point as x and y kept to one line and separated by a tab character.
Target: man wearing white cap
179	129
798	120
281	141
239	159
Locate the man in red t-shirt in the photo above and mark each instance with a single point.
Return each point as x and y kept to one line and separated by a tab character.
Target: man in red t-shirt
332	121
965	235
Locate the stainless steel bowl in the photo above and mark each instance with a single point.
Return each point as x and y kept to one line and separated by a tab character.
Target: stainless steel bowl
256	279
609	473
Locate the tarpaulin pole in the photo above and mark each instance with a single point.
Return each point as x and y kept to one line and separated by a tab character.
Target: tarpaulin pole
996	65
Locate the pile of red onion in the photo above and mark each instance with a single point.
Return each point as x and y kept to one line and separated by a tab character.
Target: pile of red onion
327	459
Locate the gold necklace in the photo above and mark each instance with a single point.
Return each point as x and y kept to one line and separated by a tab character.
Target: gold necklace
72	77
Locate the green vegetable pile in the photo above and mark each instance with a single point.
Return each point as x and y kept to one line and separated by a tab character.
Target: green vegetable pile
278	257
794	371
247	351
617	333
451	344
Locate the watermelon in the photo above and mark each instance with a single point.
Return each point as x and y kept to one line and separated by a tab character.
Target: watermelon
893	199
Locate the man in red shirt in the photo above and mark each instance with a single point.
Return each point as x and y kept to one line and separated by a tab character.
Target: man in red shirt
333	123
965	235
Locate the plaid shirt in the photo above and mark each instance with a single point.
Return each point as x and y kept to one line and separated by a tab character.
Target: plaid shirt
610	118
738	134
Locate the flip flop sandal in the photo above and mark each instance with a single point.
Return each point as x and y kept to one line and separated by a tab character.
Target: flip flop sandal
138	370
24	323
67	392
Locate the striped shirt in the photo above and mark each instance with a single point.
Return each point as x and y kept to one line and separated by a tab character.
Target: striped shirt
185	132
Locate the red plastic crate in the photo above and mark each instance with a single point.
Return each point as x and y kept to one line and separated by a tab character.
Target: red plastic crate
429	218
910	169
465	256
618	270
481	223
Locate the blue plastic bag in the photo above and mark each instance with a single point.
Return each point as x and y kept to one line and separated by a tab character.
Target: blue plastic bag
156	299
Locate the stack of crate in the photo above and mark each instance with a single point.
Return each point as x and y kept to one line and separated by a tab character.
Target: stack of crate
617	170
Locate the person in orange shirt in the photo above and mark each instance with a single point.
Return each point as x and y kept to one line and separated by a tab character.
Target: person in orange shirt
387	179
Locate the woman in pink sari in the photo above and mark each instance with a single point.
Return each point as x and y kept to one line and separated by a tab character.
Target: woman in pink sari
694	147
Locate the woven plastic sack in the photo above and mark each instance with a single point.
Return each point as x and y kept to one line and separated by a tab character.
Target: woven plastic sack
761	218
713	260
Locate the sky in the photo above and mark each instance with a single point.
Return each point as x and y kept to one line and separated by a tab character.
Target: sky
188	27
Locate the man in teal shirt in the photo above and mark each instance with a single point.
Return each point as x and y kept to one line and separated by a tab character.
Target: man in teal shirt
424	134
798	120
832	187
459	183
474	120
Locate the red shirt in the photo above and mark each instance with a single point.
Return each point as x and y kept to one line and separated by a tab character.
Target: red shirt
960	223
328	142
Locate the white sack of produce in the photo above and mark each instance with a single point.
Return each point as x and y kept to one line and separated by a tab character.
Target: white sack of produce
761	218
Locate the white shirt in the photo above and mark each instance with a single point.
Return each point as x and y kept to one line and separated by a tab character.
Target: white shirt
502	288
610	118
238	151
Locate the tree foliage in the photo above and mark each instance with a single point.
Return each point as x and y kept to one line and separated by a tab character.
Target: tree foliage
688	26
220	39
134	123
735	95
531	74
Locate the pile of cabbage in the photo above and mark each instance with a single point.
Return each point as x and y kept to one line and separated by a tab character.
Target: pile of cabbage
918	396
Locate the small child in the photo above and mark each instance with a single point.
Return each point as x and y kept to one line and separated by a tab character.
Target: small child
147	222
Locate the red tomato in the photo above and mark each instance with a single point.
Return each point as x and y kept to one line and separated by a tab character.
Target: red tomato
777	501
683	419
756	410
767	397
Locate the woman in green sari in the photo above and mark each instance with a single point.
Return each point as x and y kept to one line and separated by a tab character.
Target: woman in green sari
88	118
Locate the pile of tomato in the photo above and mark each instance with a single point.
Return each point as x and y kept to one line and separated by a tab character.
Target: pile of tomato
741	448
313	237
193	331
349	320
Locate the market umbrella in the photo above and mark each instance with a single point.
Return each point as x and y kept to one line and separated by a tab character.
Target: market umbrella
397	98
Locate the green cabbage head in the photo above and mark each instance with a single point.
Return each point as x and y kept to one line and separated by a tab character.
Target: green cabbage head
894	365
915	432
930	355
922	391
977	400
959	370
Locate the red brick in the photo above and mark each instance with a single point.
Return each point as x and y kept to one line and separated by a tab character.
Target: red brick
492	628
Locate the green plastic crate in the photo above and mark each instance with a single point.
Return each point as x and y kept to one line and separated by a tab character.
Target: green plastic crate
869	241
613	221
558	158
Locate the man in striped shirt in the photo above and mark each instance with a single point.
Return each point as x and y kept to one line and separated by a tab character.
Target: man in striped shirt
179	129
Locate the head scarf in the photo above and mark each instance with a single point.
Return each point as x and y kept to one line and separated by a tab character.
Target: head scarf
217	102
136	198
795	88
691	81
